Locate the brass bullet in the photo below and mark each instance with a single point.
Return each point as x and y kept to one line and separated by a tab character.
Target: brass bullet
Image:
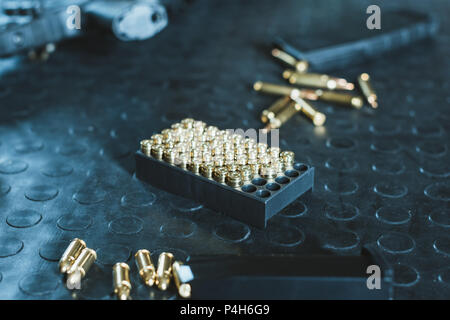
268	114
367	90
272	88
299	65
121	279
284	115
288	158
146	146
164	270
157	152
145	267
184	289
220	174
71	254
206	170
234	179
317	80
268	171
81	266
316	117
340	98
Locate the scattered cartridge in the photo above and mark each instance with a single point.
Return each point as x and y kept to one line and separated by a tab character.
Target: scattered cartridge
164	270
80	267
181	275
300	66
367	90
145	266
71	254
316	80
121	280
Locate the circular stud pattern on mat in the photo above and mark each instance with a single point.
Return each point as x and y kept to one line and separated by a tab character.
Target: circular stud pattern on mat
440	218
37	284
345	240
343	187
11	166
4	188
29	146
53	250
405	276
74	222
178	228
71	149
127	225
232	231
438	191
390	190
41	193
341	164
341	143
9	246
183	204
442	246
89	195
341	212
138	199
294	210
112	253
285	236
56	169
23	218
393	215
396	243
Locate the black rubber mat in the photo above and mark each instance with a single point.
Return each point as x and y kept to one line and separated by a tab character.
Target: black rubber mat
69	128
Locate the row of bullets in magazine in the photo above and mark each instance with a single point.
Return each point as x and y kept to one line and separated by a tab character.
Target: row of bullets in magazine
326	88
77	259
219	155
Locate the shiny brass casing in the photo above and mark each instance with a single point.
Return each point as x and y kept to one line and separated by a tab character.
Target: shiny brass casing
146	146
284	115
145	266
184	289
121	280
268	114
317	80
299	65
71	254
340	98
367	90
81	265
316	117
234	179
164	270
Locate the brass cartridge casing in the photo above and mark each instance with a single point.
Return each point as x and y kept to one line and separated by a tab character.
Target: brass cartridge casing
283	116
184	289
206	170
164	270
367	90
268	114
121	280
340	98
316	117
71	254
288	158
145	266
234	179
81	266
146	147
299	65
317	80
219	174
